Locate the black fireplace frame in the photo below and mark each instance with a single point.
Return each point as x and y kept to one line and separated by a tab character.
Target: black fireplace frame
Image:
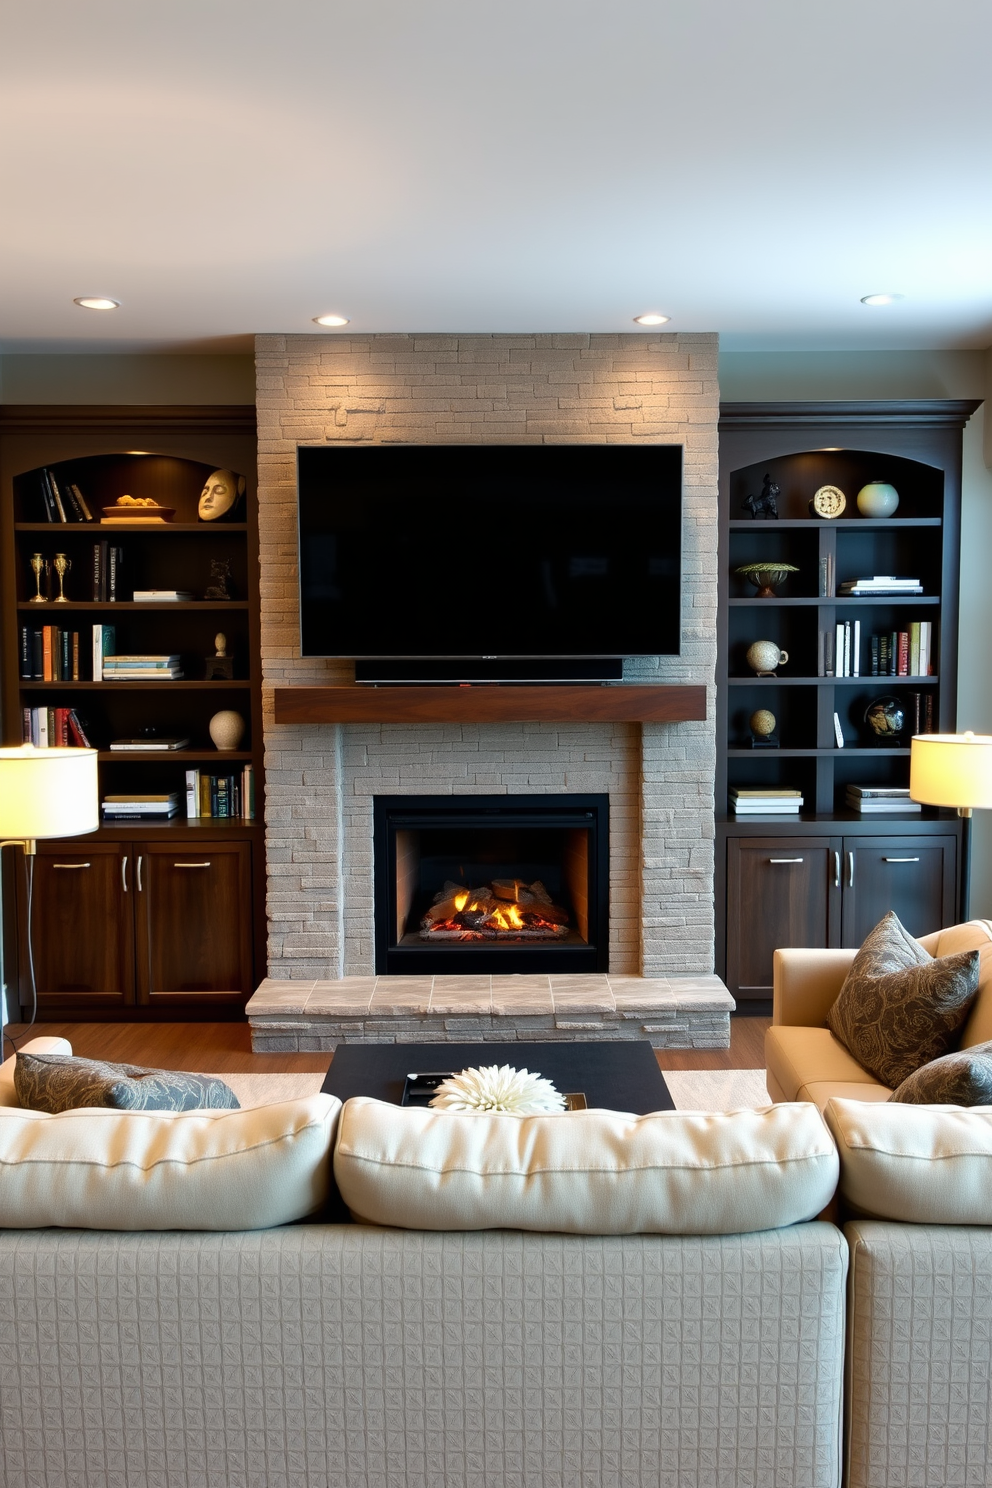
393	813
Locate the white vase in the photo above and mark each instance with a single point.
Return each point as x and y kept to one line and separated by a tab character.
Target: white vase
226	729
877	499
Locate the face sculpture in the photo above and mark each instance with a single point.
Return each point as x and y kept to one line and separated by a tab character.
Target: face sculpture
219	495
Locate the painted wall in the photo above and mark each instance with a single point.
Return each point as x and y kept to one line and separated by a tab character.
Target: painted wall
746	376
127	379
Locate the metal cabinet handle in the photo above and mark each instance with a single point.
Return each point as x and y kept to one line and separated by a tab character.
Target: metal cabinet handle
191	865
900	860
139	872
72	865
850	870
836	870
124	873
785	860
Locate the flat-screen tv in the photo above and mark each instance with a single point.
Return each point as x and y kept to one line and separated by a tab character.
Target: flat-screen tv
496	551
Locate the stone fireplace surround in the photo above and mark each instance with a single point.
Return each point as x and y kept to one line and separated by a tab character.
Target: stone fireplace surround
320	780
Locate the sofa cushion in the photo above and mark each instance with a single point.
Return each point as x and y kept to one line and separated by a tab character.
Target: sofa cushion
900	1007
960	1079
916	1164
99	1169
63	1082
584	1172
798	1057
44	1044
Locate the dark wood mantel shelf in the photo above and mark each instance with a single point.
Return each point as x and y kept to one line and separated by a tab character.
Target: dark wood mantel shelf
489	704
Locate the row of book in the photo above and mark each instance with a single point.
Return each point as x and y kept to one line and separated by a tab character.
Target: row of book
210	795
49	653
53	728
65	503
897	653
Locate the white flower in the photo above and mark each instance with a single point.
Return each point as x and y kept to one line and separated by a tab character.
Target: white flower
494	1089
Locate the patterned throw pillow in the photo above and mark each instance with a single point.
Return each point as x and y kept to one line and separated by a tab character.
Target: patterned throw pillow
62	1082
961	1079
899	1007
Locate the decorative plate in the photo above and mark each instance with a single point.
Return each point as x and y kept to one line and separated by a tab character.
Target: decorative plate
828	501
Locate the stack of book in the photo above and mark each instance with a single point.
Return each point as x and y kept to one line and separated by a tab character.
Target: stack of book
133	807
879	584
161	596
141	668
765	801
870	800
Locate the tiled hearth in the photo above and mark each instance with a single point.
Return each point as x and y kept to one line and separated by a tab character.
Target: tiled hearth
671	1012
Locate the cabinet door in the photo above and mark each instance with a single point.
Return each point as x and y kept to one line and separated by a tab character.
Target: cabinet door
915	876
81	925
781	891
193	921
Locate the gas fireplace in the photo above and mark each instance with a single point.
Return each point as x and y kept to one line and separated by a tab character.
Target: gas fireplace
505	884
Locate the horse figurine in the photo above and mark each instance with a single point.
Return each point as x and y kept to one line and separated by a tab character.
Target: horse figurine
764	505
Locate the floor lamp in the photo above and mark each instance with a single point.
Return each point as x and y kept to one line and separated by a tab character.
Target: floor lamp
954	770
45	793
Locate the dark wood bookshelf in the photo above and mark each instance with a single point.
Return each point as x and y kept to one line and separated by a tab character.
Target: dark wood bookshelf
168	905
823	877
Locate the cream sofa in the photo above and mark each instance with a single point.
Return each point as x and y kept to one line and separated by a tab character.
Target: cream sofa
334	1355
805	1062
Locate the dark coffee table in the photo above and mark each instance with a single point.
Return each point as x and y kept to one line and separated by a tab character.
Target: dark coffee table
618	1076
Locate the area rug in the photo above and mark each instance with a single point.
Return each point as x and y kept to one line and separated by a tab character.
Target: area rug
692	1090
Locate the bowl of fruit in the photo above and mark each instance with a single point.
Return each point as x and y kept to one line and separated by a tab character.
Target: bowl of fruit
137	509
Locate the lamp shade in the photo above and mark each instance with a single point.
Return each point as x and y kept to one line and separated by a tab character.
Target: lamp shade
48	792
951	770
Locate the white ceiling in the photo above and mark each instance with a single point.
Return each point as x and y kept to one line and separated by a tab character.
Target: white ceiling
754	167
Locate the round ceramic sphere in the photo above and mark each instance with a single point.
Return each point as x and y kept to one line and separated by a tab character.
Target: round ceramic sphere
878	499
764	656
885	717
763	722
227	729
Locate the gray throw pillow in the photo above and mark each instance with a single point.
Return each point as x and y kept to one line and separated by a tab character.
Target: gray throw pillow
899	1007
62	1082
961	1079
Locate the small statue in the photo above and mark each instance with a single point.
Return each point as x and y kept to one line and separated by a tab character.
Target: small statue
765	505
221	497
220	579
220	665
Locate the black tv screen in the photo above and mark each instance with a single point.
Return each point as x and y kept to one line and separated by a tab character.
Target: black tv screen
511	551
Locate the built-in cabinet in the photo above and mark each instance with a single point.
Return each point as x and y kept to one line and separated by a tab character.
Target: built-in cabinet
155	918
826	876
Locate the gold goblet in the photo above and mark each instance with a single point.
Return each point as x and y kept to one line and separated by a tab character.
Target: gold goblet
62	566
38	567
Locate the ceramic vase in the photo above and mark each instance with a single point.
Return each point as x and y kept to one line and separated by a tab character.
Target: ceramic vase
227	729
877	499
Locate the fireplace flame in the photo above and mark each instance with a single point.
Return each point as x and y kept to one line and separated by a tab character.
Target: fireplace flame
504	907
460	902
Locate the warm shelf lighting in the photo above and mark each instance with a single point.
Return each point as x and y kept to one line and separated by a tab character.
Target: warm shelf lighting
97	302
881	299
652	319
330	320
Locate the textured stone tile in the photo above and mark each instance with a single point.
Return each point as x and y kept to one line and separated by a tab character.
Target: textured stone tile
350	995
401	995
279	997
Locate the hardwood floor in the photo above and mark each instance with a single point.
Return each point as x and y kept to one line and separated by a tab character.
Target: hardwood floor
225	1048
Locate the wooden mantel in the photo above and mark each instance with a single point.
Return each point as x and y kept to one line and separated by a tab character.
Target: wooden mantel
482	703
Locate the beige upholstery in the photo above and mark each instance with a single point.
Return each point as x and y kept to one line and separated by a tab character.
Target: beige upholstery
919	1391
44	1044
805	1062
336	1356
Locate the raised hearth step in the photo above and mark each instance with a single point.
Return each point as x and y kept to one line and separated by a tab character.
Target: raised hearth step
678	1012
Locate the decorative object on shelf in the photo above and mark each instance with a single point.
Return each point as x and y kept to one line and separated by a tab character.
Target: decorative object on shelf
62	566
39	566
220	666
221	497
828	501
220	579
136	509
838	732
954	770
886	718
878	499
765	576
226	729
764	656
495	1088
763	724
765	505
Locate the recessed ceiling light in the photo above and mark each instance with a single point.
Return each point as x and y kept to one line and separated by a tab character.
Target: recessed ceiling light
881	299
651	320
97	302
330	320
